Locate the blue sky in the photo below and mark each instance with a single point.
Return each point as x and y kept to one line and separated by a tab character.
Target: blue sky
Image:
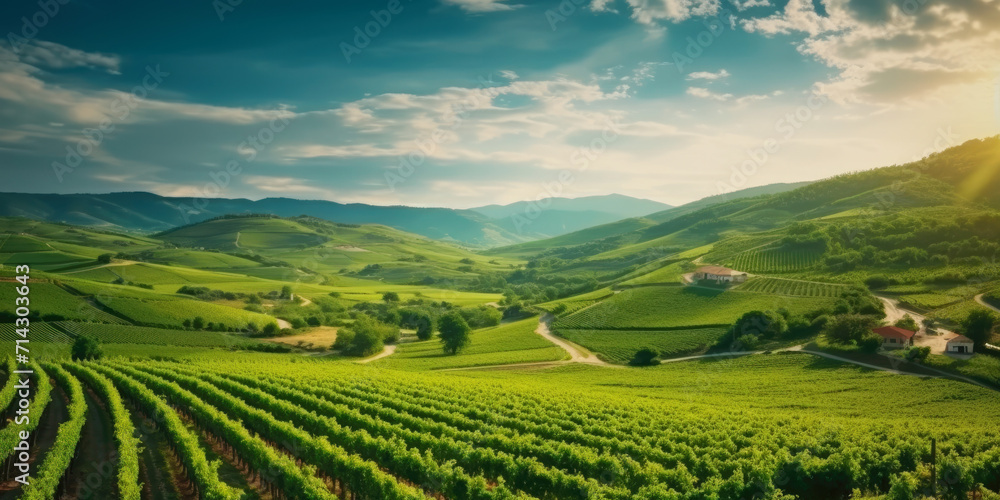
468	102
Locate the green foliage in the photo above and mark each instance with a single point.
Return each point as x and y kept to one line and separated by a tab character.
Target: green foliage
918	353
851	328
978	326
390	297
454	332
86	348
645	357
481	316
907	323
766	324
370	336
105	258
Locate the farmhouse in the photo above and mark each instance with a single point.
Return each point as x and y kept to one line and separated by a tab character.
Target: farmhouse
894	337
959	344
720	274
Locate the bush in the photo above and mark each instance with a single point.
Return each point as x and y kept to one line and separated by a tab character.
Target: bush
978	326
86	348
482	316
767	324
645	357
877	282
344	338
390	297
918	354
105	258
870	342
369	336
907	322
270	329
747	342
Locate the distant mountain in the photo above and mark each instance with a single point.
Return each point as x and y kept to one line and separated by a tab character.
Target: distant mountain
618	205
488	227
556	216
634	224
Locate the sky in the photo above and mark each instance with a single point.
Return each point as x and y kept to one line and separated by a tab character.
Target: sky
462	103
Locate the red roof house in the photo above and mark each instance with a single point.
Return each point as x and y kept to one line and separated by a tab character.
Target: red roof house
894	336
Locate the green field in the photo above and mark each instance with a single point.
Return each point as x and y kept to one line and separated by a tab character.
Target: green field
774	260
127	334
675	306
619	346
794	288
505	344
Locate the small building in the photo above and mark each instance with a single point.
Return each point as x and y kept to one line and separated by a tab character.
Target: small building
959	344
894	337
719	274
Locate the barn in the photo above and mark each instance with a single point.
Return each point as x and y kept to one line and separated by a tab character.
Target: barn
720	274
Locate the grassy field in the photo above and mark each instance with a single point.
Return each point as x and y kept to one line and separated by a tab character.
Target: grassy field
50	299
675	306
128	334
619	346
505	344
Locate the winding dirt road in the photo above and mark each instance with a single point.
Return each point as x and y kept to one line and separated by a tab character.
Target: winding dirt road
979	299
389	349
576	353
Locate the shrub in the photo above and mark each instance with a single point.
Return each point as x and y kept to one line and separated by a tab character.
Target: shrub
978	326
907	322
850	328
645	357
482	316
390	297
870	342
918	354
86	348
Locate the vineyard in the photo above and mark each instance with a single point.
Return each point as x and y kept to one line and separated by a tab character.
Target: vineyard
318	430
659	307
794	288
774	260
619	346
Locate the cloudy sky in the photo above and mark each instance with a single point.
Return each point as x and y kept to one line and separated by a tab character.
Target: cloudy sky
462	103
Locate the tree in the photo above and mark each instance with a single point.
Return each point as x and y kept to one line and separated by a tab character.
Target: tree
454	332
765	324
270	329
105	258
908	323
481	316
198	323
645	357
369	336
850	328
286	292
390	297
86	348
978	326
419	320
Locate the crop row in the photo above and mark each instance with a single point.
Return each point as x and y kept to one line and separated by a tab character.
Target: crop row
793	288
775	260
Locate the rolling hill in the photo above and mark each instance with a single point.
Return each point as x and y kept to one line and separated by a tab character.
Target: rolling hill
484	227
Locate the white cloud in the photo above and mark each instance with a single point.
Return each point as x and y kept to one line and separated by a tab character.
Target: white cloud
707	75
508	74
893	52
704	93
40	53
649	12
479	6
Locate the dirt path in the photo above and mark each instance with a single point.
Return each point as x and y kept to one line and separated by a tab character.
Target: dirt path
982	302
158	468
389	349
305	301
111	264
237	242
576	353
92	472
282	324
937	343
